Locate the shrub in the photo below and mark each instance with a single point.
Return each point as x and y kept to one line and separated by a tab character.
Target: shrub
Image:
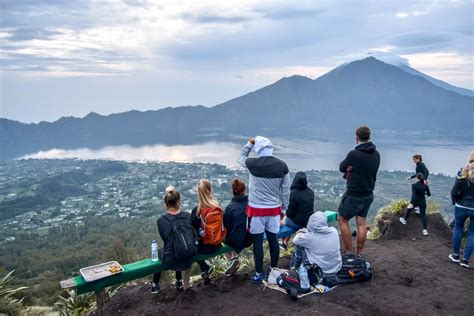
10	304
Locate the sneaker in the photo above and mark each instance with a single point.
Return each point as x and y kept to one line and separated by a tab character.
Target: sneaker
403	221
464	263
257	278
155	288
425	232
179	285
233	266
454	257
283	246
206	275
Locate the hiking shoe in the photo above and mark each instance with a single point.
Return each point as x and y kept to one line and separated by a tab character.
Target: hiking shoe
179	285
464	263
403	221
208	271
155	288
233	266
425	232
257	278
454	257
283	246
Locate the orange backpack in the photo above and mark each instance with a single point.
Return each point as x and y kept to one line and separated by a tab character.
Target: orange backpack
212	224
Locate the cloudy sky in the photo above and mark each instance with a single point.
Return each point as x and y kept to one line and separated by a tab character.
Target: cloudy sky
65	57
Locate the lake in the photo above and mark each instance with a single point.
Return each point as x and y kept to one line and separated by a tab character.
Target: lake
299	154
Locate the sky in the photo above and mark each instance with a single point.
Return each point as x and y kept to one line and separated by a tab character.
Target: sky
68	58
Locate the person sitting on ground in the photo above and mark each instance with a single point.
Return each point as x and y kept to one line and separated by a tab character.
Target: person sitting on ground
360	169
173	216
235	222
420	168
462	195
418	191
301	205
269	192
207	218
319	245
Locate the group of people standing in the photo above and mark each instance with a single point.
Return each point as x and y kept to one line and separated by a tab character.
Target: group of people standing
257	212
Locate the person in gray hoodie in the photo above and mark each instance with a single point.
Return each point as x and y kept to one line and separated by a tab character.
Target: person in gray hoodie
269	192
318	244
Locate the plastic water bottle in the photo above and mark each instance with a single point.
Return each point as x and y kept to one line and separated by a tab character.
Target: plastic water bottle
303	272
154	251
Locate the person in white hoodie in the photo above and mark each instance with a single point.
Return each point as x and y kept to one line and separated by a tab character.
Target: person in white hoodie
269	193
318	244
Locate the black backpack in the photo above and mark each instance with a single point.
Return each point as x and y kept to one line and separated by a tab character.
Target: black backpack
354	269
290	281
184	240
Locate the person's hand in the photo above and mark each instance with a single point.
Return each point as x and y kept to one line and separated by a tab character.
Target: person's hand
282	221
252	140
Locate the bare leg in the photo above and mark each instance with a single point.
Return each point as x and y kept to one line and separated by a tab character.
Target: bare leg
345	233
361	233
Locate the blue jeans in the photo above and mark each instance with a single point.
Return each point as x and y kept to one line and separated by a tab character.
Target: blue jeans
461	214
289	222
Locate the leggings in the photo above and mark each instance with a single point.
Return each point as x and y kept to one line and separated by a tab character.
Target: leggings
258	250
157	276
422	213
179	274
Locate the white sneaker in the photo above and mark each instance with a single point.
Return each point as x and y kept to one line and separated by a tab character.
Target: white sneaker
425	232
403	221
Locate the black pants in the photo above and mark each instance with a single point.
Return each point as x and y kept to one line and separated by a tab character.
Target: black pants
157	276
258	250
422	213
179	275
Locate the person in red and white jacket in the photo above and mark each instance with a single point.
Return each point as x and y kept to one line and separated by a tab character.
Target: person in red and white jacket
269	192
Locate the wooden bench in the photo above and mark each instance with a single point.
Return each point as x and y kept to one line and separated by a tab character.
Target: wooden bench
145	267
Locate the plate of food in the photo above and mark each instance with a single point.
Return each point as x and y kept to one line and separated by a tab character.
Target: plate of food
101	271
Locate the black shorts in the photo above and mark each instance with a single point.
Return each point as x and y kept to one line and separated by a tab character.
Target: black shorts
351	206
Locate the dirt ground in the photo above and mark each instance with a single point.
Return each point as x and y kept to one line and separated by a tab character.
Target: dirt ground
413	275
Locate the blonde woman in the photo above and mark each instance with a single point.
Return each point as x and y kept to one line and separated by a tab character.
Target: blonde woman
207	219
462	196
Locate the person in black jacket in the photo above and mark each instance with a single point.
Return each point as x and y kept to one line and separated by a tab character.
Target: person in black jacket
462	195
301	205
418	191
235	221
360	169
420	168
173	212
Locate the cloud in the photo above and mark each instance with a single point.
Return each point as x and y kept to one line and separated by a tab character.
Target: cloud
196	46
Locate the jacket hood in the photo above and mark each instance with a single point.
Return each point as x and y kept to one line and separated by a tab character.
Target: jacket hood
317	223
300	181
366	147
263	146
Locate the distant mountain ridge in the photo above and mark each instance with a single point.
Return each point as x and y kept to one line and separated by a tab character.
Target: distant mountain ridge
366	91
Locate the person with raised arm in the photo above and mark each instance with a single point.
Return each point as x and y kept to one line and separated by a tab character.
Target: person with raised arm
269	192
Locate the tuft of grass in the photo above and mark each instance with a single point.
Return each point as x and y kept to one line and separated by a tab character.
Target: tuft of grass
398	208
10	304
